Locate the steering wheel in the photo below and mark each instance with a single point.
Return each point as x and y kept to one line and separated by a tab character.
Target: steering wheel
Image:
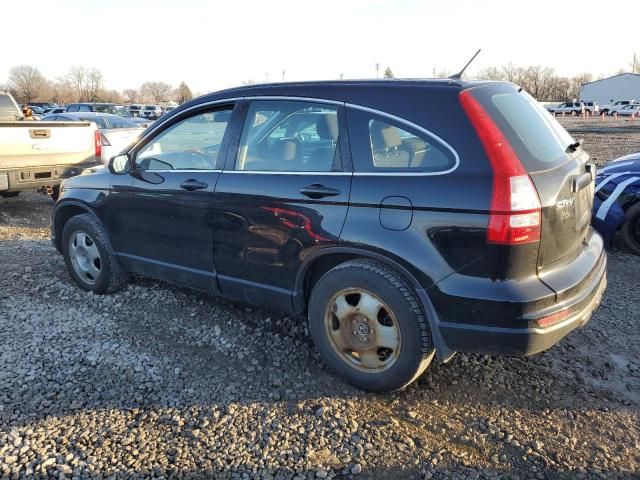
193	158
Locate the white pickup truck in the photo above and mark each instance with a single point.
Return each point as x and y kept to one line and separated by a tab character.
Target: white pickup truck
38	155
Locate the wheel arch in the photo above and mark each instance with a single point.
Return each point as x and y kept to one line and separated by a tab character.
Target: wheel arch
321	261
61	215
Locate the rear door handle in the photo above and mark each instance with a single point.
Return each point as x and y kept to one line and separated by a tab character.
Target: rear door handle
317	190
191	185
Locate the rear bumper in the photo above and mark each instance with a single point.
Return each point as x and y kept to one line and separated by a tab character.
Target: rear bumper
512	327
522	341
30	178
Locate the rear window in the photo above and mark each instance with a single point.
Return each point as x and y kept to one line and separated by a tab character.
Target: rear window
119	122
8	110
536	136
97	120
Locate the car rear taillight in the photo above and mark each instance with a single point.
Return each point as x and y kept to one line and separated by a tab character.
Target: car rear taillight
514	216
98	143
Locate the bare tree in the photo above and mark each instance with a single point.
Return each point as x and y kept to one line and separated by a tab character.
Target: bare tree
158	92
183	93
443	74
27	82
77	79
95	82
388	73
491	73
131	95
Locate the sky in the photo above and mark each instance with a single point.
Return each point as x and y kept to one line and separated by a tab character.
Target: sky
213	45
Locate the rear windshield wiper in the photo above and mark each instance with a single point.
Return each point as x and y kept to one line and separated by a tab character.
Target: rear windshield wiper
574	146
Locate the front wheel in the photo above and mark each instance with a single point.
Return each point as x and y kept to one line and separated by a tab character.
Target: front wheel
88	258
367	324
631	229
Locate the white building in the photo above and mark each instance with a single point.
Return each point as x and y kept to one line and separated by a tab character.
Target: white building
625	86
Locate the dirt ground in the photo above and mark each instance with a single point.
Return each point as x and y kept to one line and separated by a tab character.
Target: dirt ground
160	382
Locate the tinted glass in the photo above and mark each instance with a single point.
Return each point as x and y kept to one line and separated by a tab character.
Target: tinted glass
120	122
72	108
289	136
99	121
104	108
8	111
380	144
537	138
192	144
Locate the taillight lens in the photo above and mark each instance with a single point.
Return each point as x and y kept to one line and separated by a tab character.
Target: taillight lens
514	216
98	143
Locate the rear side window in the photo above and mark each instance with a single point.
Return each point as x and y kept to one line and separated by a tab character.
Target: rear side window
537	138
72	108
381	144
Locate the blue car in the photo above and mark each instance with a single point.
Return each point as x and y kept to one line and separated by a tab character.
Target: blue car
616	204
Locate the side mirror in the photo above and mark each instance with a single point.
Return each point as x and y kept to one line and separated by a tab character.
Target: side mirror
119	164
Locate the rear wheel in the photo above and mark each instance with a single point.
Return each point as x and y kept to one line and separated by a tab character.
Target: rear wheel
631	229
368	325
55	193
87	256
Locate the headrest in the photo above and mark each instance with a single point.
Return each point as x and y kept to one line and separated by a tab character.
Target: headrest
285	150
384	136
327	126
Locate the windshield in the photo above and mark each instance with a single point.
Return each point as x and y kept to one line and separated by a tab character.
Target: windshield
8	110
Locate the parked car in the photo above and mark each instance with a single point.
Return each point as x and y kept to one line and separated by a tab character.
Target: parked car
616	205
151	111
54	110
262	194
115	132
91	107
166	109
570	108
39	155
124	112
36	110
629	110
135	110
610	109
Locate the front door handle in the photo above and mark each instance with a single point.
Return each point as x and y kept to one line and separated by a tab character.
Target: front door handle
191	185
317	190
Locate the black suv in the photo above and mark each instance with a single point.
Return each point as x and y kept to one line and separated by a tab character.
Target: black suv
406	219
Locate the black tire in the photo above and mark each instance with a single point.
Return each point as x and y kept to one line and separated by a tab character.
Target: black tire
631	229
55	193
111	277
9	194
416	348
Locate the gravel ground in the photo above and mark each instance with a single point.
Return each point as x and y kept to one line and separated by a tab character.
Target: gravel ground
605	139
157	381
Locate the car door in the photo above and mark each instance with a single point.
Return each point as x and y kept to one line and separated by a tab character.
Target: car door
283	194
161	213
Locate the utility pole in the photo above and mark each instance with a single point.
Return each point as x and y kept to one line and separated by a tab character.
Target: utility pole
633	70
434	72
341	76
283	72
377	70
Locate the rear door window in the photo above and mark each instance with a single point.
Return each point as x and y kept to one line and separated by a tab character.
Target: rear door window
382	144
538	139
289	136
